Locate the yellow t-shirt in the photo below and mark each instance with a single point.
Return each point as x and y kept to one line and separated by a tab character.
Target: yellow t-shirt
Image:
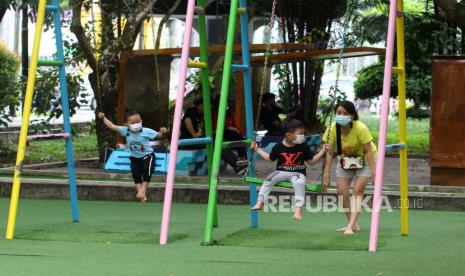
352	144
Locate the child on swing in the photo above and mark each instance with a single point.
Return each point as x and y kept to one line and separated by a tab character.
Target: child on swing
138	141
291	154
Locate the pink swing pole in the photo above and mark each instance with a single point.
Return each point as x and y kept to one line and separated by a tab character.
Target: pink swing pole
383	127
165	222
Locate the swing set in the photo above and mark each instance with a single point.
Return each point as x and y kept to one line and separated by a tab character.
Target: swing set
239	8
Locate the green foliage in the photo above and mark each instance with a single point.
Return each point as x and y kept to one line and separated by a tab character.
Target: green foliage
9	92
47	98
417	133
49	151
416	113
287	95
6	152
326	105
195	80
419	46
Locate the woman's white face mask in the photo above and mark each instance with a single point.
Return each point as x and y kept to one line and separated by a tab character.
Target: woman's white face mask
135	127
343	120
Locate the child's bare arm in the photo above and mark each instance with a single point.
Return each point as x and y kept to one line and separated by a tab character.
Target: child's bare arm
262	153
319	155
162	132
107	122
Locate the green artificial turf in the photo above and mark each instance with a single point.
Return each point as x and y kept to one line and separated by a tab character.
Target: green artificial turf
120	238
276	238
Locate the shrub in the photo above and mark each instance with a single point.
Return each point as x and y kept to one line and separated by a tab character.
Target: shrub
9	88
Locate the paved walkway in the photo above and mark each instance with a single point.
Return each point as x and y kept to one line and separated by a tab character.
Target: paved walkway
418	171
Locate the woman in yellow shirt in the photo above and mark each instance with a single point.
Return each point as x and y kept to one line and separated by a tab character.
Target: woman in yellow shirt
356	144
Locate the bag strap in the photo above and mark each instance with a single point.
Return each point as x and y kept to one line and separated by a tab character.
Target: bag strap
338	140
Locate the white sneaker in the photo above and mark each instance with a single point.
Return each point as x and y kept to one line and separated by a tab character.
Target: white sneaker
242	170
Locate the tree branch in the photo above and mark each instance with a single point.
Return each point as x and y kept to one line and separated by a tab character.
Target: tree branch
453	11
79	32
163	21
2	13
134	21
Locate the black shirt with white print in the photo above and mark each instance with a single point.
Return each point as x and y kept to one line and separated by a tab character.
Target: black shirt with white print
291	159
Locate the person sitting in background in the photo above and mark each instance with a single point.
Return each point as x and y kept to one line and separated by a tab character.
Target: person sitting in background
269	115
193	127
232	131
192	124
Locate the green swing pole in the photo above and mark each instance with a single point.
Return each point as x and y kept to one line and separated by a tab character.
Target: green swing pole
205	78
212	196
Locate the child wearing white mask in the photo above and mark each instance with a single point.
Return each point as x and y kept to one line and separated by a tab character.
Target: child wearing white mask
138	141
291	156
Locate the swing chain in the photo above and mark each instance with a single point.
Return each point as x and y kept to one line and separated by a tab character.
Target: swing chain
155	55
265	64
349	10
333	90
97	68
262	87
97	55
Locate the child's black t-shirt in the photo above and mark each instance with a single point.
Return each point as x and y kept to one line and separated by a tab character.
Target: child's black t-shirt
291	159
197	122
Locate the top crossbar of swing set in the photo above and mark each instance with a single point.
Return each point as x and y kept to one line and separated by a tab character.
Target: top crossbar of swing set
277	49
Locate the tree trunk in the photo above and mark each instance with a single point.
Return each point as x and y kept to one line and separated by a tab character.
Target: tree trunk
453	11
106	88
107	101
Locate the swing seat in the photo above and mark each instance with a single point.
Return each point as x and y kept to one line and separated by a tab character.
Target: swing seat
119	162
188	163
308	187
395	147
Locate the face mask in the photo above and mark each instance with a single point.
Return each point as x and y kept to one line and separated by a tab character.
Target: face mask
343	120
300	138
135	127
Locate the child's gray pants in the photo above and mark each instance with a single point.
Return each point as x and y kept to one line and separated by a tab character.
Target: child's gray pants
297	180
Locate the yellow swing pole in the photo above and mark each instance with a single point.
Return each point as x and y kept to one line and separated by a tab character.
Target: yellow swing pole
25	122
402	119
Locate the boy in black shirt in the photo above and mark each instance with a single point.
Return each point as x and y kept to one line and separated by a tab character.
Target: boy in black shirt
291	154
